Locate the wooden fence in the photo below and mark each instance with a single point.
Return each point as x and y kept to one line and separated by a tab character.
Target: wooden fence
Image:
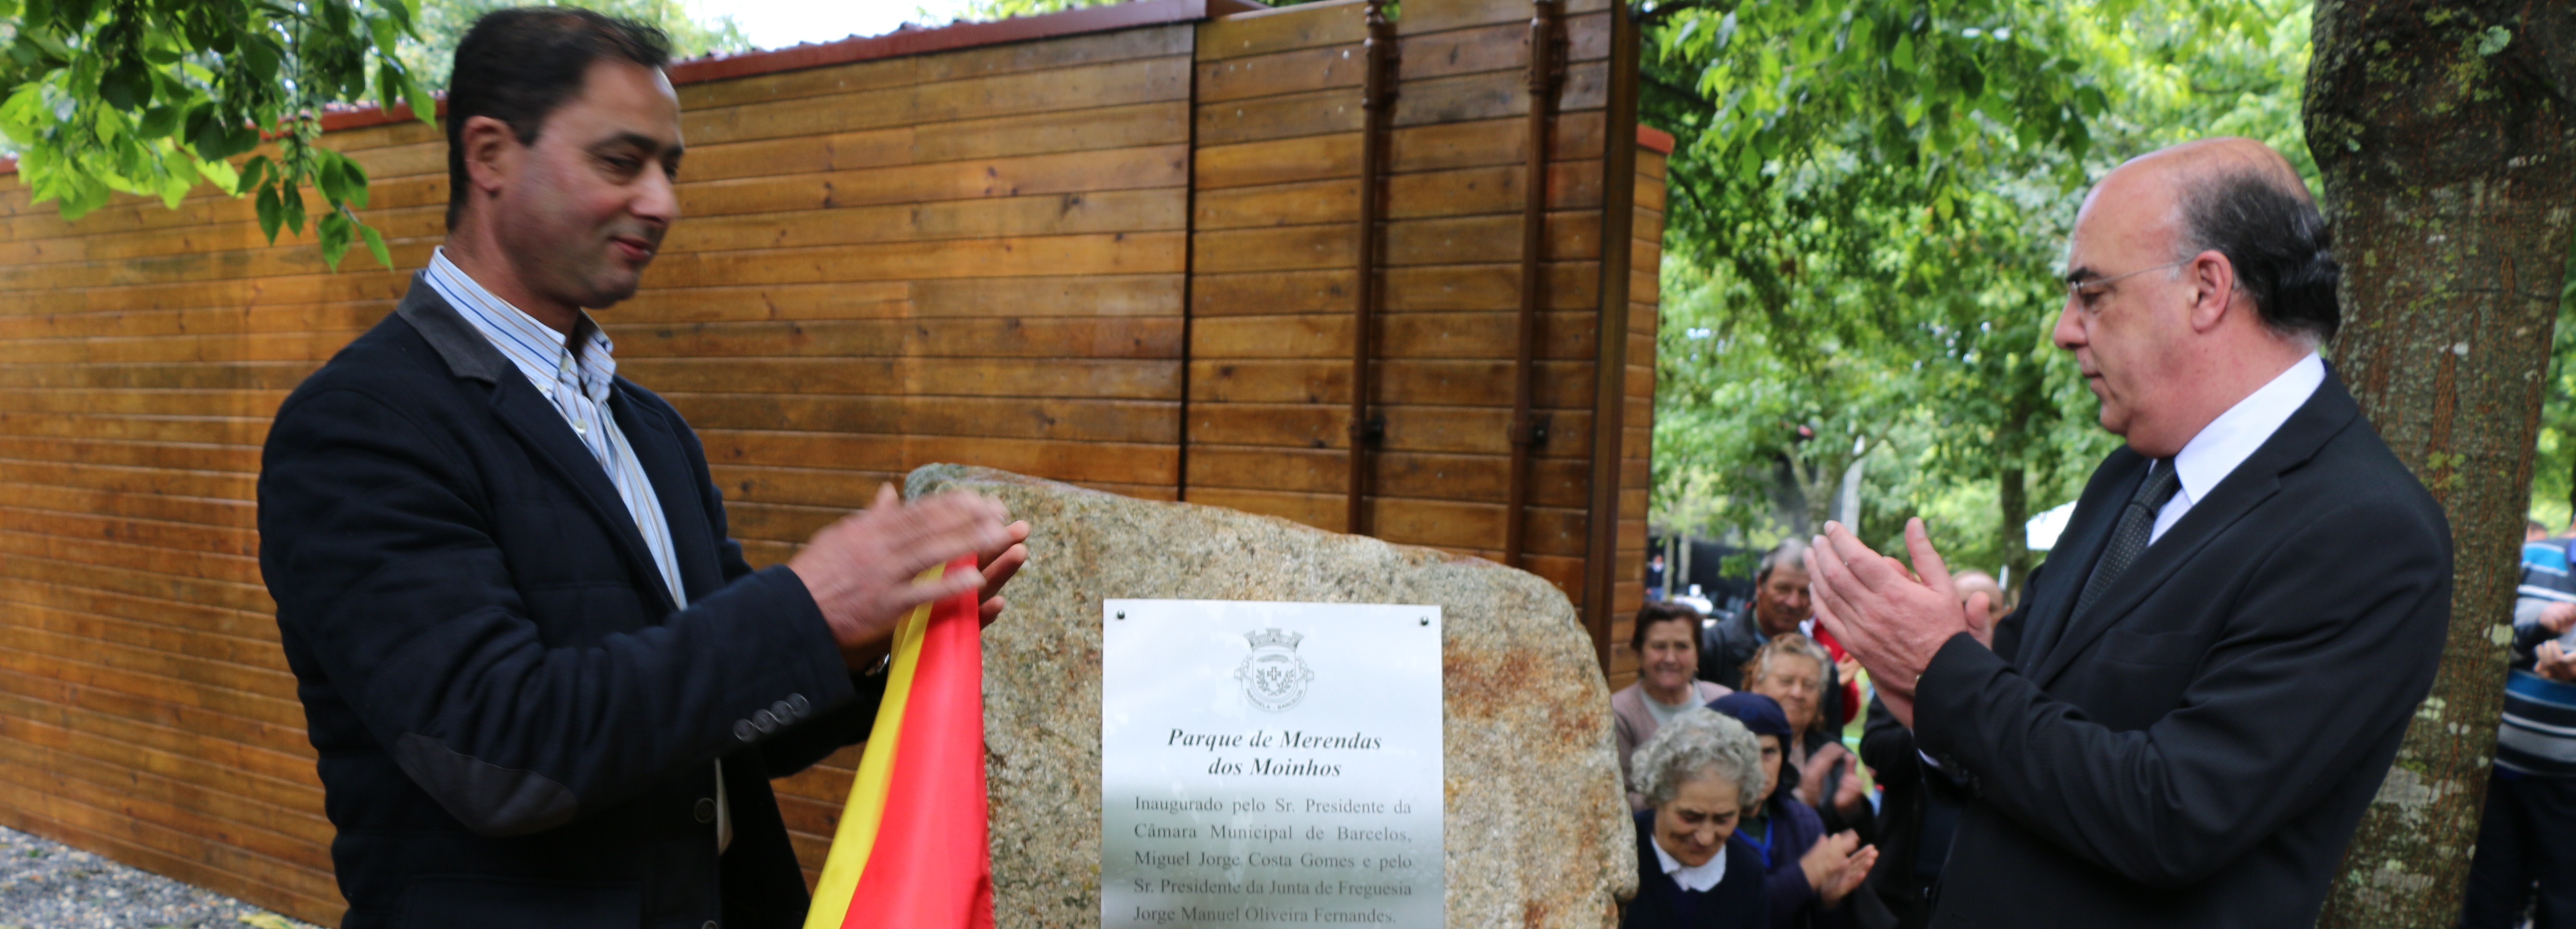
1115	247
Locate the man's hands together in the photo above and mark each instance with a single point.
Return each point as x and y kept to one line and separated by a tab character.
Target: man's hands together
862	569
1892	619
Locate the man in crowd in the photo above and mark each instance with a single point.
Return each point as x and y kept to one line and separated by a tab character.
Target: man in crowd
545	688
2205	684
1780	606
2527	835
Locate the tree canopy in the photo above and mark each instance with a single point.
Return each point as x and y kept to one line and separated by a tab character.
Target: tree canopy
156	96
1869	203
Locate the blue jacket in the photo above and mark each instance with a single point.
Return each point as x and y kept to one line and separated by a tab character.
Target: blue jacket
515	725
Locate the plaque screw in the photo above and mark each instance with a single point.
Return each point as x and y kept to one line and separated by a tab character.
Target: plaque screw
1122	614
1426	620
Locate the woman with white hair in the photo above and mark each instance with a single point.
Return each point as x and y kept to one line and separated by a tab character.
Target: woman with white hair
1700	773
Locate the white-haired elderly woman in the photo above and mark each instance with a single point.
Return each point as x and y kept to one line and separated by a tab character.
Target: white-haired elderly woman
1700	773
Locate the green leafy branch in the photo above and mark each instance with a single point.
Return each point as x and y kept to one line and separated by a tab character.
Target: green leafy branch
152	96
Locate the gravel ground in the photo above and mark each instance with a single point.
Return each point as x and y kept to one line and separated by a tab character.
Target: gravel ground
48	885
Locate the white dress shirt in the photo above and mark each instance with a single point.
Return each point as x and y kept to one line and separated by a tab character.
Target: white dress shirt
577	385
2228	440
1691	877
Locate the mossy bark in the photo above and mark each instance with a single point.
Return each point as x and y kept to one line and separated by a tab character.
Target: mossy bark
2446	136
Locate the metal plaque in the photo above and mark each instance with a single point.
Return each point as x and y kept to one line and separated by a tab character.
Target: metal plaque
1270	763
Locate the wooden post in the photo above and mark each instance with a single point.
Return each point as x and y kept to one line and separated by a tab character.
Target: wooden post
1610	363
1377	99
1546	68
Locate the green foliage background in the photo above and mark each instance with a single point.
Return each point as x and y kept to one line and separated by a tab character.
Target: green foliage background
1868	210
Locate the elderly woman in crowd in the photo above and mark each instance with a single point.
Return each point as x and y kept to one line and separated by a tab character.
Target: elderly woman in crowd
1700	775
1666	641
1808	874
1790	669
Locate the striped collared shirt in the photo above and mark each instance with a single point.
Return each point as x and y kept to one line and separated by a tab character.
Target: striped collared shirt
577	385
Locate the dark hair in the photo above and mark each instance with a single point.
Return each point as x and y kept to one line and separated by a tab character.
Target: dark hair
2279	244
1661	612
519	64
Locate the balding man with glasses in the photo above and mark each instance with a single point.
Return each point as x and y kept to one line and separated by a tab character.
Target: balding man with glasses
2207	680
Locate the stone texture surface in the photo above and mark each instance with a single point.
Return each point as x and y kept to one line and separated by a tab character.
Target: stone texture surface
1537	831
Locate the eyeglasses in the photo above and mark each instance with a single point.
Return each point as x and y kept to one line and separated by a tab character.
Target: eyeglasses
2084	292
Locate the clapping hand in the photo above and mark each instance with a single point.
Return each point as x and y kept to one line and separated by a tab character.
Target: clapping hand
2555	662
1894	620
1836	864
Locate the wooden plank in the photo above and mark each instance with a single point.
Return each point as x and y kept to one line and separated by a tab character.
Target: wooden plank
1061	173
1071	420
304	823
1467	240
229	320
1128	126
1129	337
1092	295
146	510
1556	482
1016	57
1406	521
1334	22
159	635
1123	253
1107	84
1437	15
833	80
1502	46
244	693
1056	214
1298	71
1044	376
1558	385
193	618
250	404
191	429
94	729
1470	430
1496	286
137	570
233	458
1314	113
1278	161
1495	94
1465	191
1564	336
1090	462
134	797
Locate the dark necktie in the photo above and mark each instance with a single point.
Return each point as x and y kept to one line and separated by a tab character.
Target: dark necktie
2129	538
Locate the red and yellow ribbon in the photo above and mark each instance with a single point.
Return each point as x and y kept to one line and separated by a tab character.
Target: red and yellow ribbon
912	847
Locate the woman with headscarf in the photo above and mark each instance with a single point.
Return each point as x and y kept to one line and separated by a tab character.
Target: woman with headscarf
1700	774
1790	669
1809	874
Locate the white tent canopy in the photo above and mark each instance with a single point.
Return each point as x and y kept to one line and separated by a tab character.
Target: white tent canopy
2043	529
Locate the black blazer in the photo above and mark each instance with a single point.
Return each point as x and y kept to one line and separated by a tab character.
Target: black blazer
2197	749
515	726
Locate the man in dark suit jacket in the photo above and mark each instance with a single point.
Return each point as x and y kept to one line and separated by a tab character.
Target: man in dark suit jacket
545	687
2210	676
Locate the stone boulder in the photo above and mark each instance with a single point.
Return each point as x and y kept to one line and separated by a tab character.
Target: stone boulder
1537	830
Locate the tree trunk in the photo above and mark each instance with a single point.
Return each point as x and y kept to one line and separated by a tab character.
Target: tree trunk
2448	148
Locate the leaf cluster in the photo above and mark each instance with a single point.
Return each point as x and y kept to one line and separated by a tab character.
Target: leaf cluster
152	96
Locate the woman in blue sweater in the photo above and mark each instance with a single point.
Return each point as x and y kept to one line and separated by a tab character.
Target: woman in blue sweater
1808	874
1699	774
